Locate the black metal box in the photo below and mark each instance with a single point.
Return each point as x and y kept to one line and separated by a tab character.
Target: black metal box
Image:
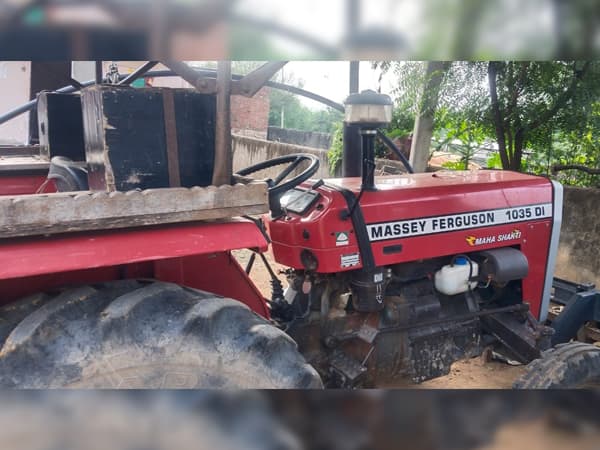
148	138
60	125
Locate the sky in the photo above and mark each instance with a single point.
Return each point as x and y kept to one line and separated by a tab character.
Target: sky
331	79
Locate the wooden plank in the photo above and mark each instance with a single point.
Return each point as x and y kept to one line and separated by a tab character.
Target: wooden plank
20	150
28	215
14	165
171	138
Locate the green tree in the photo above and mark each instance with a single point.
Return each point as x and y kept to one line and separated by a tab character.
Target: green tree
461	136
529	100
287	111
535	111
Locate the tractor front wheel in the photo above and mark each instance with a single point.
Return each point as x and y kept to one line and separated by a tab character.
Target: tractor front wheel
144	334
572	365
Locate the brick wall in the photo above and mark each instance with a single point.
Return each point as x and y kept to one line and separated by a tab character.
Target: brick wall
250	116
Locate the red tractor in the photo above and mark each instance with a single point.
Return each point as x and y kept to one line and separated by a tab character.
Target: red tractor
389	278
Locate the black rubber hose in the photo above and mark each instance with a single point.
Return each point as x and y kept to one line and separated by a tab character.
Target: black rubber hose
389	144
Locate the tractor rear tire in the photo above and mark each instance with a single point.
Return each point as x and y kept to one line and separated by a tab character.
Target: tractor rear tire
145	334
566	366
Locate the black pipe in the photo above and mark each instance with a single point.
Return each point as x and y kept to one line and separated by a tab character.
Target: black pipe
390	144
368	159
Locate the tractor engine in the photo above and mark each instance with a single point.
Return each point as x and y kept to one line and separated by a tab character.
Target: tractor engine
400	281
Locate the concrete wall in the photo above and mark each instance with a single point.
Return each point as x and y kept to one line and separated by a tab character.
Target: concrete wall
579	250
15	77
312	139
248	151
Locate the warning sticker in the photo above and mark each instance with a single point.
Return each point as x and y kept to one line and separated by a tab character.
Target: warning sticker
455	222
351	260
341	238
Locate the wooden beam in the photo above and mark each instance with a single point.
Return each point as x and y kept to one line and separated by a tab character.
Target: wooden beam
223	166
29	215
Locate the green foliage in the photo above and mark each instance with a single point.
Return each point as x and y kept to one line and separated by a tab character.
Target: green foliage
402	123
549	112
454	165
494	162
335	152
296	115
459	134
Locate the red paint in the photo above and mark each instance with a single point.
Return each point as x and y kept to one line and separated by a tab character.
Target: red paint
418	196
62	253
197	253
219	273
24	184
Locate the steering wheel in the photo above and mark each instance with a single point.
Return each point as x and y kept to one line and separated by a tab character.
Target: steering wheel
278	187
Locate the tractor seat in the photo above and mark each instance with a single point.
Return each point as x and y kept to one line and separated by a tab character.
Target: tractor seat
68	175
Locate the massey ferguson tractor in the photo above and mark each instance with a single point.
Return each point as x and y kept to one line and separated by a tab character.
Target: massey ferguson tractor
116	264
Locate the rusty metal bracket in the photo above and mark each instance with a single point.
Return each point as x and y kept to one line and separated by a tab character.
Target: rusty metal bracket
250	84
201	83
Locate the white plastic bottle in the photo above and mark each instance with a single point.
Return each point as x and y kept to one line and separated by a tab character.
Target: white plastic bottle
453	279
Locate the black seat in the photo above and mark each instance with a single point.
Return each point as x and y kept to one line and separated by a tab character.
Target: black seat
68	175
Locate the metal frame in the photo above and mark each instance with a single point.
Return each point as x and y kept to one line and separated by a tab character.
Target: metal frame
207	81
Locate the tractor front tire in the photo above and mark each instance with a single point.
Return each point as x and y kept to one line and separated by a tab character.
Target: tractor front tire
566	366
145	334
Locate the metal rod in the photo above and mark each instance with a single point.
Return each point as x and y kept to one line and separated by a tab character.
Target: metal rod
139	72
76	84
223	165
354	76
255	80
195	77
169	73
98	72
250	263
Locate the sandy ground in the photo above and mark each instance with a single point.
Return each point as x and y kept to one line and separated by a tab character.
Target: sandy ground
539	435
470	374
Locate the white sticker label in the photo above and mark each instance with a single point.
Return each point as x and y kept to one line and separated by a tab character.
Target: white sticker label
350	260
454	222
341	238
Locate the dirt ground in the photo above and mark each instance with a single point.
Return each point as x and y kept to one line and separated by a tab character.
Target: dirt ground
469	374
539	435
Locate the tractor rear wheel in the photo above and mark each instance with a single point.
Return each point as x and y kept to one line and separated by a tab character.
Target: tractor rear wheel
145	334
572	365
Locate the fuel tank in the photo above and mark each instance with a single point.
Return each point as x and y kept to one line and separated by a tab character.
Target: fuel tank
420	216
